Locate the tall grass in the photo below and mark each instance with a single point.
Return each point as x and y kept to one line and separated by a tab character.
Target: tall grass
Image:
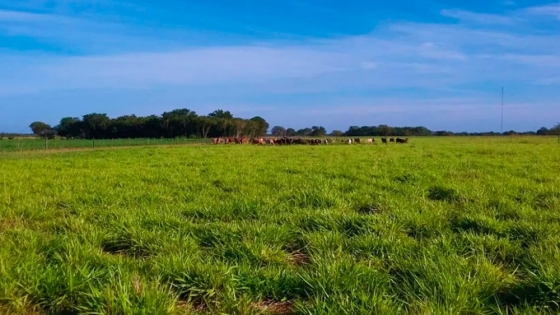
437	226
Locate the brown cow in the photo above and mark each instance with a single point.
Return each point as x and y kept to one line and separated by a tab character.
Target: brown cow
356	140
384	140
399	140
392	140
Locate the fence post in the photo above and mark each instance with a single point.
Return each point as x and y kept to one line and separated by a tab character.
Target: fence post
46	144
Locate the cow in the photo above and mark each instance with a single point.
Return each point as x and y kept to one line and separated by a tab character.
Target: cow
384	140
399	140
258	141
370	140
392	140
326	141
356	140
349	141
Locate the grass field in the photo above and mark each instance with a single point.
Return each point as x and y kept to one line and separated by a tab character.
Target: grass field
39	144
437	226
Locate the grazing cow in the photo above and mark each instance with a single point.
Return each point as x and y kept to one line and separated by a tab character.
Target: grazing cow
392	140
384	140
356	140
349	141
399	140
326	141
370	140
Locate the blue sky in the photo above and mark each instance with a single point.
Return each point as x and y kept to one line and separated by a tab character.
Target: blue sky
297	63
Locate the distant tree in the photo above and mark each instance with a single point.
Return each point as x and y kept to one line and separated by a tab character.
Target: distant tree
239	126
219	113
304	132
260	125
318	131
278	131
70	127
543	131
42	129
290	132
96	125
385	130
556	130
337	133
205	124
443	133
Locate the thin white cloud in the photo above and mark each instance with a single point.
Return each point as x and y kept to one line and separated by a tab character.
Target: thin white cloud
549	81
478	18
20	16
550	10
421	59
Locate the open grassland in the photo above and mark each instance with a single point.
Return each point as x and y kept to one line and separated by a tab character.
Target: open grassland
437	226
31	144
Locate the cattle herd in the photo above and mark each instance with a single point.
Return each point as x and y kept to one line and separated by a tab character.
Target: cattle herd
292	141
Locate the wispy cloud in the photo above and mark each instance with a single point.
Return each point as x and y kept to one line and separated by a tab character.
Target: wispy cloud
549	81
550	10
478	18
21	16
429	68
396	55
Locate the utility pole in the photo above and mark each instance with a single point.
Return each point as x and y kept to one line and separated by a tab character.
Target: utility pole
502	121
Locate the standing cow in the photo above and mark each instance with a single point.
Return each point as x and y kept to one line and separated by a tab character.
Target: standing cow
384	140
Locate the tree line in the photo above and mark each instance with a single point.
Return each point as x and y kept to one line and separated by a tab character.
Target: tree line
221	123
173	124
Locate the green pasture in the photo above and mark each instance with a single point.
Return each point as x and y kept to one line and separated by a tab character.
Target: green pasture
31	144
436	226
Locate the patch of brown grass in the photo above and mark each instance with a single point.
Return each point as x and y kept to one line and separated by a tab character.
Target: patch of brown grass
10	224
186	307
274	307
298	258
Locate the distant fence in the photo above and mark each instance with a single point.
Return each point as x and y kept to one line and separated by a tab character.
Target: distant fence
13	145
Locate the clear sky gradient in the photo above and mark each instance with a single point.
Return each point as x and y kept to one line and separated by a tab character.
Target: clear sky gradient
297	63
